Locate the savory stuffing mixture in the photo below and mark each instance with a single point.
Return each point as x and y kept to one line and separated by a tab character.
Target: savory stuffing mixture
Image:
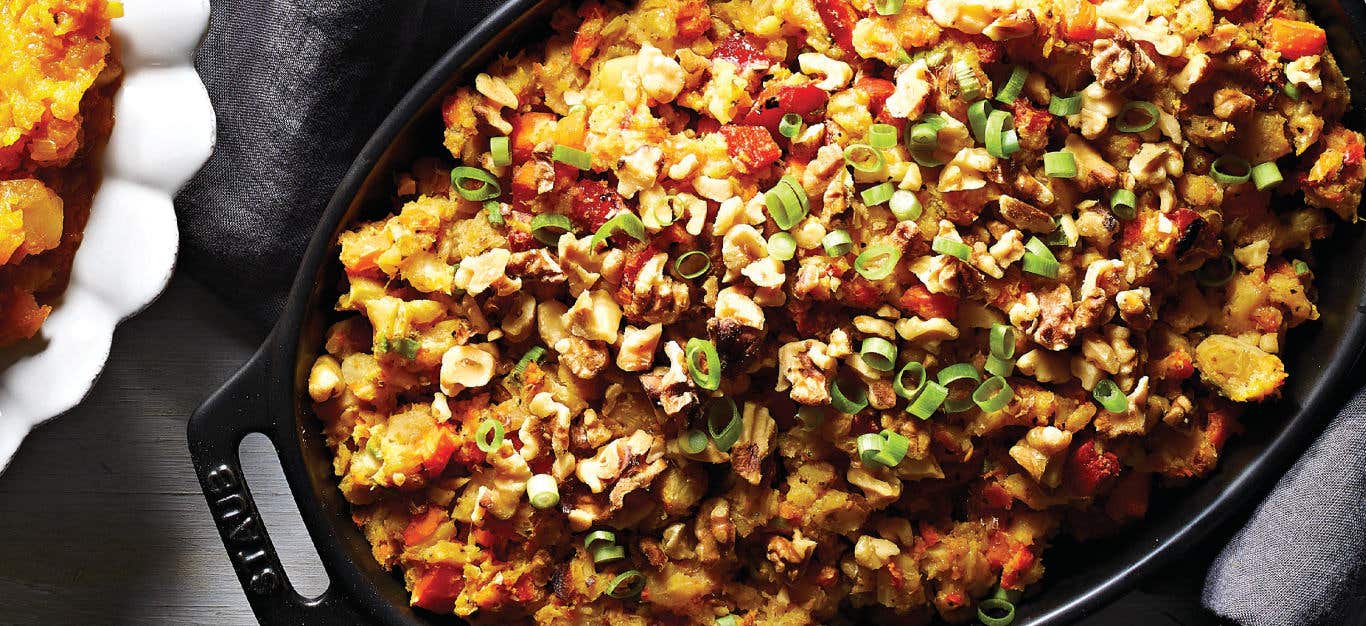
826	311
57	79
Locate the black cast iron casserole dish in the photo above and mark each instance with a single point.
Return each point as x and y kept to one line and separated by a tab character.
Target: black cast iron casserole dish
267	394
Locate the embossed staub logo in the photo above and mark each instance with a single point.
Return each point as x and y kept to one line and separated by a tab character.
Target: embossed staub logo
237	520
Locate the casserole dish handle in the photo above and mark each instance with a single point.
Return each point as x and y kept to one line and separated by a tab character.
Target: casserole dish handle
215	432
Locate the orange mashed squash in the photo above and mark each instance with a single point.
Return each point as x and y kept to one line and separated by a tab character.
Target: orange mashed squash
58	74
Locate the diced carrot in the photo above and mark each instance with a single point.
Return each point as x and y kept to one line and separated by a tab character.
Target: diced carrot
530	130
441	452
436	589
918	300
1295	39
1088	470
1078	20
589	35
422	526
692	20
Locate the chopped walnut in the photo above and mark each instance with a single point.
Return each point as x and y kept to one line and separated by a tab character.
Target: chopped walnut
656	298
671	387
1056	329
638	347
805	367
1231	103
1119	63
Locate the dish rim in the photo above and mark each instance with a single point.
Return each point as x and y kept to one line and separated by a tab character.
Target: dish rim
262	397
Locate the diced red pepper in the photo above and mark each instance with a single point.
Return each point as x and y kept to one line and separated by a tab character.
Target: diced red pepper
1177	365
744	50
918	300
436	588
594	203
878	90
752	146
799	99
839	18
1032	124
1295	39
1088	470
1129	499
692	20
858	293
1020	560
1354	151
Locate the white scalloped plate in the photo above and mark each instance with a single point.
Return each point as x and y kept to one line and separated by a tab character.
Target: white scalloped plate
163	132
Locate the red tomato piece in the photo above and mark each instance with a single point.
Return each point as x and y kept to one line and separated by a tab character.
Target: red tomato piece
752	146
839	18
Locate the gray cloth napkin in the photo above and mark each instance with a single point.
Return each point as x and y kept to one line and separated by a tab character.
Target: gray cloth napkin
1301	558
299	85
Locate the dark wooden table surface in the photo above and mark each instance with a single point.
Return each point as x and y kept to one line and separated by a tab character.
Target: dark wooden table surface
102	521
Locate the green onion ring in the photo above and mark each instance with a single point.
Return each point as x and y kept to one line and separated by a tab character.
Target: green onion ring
692	441
604	536
905	205
993	394
483	440
882	136
543	491
884	7
1123	203
924	136
1292	91
997	366
1219	170
1149	110
978	113
700	269
790	126
837	242
1040	265
627	584
608	554
952	374
1060	164
995	604
865	158
894	448
968	84
625	222
725	436
1301	268
845	404
1065	106
1013	85
782	246
1010	142
488	188
1217	271
786	202
877	262
869	445
710	379
1266	175
500	151
944	245
1001	341
928	400
493	209
878	353
1109	395
547	228
899	385
878	194
995	132
573	157
534	354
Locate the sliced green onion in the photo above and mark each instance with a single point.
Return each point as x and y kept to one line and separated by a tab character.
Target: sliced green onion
1004	608
968	84
1149	119
1109	395
905	205
605	536
608	554
1010	142
878	194
690	269
1220	170
894	448
1065	106
1266	175
899	382
782	246
624	222
790	126
692	441
1058	236
1217	271
844	403
547	227
995	132
884	7
711	378
489	436
877	262
1001	341
869	445
1301	268
627	584
944	245
493	209
978	112
1123	203
838	242
924	136
865	158
928	400
1060	164
543	491
488	188
953	374
811	416
797	190
501	151
1292	91
727	432
998	366
993	394
405	346
925	157
573	157
534	354
882	136
1042	266
878	353
1013	85
786	203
